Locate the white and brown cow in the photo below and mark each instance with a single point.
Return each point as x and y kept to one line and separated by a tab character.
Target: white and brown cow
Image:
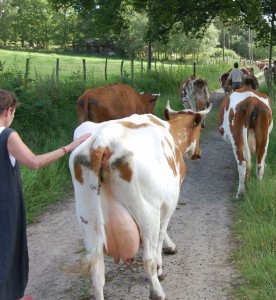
245	121
194	94
127	179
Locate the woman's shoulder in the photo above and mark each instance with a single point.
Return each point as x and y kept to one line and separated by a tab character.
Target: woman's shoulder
6	130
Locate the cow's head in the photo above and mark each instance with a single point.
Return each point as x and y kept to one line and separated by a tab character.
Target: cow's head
185	127
199	94
251	81
148	102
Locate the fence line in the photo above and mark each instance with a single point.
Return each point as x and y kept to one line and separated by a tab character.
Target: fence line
125	68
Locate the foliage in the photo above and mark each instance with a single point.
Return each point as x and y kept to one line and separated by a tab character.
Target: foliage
124	28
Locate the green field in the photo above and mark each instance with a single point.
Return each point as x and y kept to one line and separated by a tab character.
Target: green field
45	65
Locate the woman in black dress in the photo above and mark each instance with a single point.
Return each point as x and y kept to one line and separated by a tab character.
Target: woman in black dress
14	264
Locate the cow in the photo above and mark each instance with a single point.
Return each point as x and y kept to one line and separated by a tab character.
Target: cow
250	70
269	73
113	101
194	94
261	64
245	70
251	81
222	80
227	88
127	179
245	121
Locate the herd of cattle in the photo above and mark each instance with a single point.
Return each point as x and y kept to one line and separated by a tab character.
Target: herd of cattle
127	175
263	65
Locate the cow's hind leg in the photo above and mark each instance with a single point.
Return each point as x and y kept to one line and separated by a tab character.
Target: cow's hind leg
150	261
261	152
242	174
169	246
150	266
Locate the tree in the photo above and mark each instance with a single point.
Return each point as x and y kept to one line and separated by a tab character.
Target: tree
261	15
7	15
192	17
32	21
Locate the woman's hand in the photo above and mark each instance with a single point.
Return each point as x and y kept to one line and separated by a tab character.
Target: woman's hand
76	142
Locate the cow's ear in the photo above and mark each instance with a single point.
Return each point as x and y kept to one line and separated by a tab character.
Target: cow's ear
166	114
197	119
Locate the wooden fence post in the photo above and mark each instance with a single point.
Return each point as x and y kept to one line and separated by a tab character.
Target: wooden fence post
27	70
142	67
84	69
132	70
57	70
105	70
122	66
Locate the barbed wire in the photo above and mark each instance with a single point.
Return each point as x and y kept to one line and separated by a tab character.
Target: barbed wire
44	112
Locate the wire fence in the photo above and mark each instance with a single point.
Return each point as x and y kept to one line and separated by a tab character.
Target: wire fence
90	69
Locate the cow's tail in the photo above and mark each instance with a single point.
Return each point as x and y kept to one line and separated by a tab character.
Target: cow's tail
95	163
249	121
251	113
83	102
80	268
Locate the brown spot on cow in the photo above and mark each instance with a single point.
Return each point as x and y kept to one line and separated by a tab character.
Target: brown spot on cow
155	121
133	125
182	164
170	159
123	166
78	172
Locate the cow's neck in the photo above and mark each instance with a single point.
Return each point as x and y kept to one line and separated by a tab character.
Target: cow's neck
179	130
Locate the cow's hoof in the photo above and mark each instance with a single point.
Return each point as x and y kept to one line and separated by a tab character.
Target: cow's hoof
161	277
170	250
153	296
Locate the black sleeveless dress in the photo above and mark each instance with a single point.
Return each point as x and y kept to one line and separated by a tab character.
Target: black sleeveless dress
14	263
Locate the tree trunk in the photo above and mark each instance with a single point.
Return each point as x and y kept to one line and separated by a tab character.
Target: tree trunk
270	51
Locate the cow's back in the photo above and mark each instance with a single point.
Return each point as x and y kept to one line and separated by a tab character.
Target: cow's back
110	102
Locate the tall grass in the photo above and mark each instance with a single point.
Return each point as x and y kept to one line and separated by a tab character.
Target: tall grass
255	232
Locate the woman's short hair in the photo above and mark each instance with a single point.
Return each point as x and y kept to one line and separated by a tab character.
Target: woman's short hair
7	100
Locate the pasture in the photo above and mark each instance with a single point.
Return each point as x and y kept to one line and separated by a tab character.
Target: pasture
46	120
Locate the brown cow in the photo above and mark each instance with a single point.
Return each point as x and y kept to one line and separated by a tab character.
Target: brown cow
250	70
113	101
251	81
261	64
245	121
222	79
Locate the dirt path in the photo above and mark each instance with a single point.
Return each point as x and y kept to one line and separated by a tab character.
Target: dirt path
200	228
